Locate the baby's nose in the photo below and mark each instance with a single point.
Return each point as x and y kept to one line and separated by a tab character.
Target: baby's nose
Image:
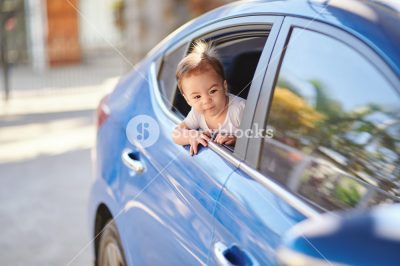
207	99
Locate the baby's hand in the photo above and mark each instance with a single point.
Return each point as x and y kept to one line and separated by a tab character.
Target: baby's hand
225	139
196	138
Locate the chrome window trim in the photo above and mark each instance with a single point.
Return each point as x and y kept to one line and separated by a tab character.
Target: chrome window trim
287	196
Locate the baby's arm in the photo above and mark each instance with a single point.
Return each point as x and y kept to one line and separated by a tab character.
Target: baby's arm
236	111
183	135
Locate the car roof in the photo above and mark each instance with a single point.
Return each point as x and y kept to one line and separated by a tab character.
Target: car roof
376	22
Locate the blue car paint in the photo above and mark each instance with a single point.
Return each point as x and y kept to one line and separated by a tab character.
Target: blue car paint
244	211
374	234
252	217
110	143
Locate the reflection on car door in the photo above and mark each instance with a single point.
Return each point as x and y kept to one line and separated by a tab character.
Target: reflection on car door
251	220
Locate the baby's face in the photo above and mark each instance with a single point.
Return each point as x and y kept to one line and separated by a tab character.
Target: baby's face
206	92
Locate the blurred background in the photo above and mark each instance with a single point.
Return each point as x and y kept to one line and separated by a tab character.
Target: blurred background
58	58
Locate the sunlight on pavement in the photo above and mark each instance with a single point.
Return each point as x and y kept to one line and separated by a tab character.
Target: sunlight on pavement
51	100
26	135
52	143
37	130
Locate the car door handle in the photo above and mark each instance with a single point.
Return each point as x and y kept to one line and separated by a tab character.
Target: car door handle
232	256
132	161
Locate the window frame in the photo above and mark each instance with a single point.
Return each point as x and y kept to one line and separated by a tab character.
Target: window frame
160	65
255	145
229	34
226	25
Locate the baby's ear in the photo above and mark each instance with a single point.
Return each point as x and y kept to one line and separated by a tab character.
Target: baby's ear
226	86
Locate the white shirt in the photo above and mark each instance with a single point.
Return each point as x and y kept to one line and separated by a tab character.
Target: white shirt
195	120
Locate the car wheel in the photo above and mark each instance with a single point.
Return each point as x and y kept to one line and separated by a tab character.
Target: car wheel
110	252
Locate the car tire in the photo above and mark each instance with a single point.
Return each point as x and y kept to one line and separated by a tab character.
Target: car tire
110	252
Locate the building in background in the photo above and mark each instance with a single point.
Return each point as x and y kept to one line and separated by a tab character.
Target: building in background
68	31
57	32
148	22
62	40
98	30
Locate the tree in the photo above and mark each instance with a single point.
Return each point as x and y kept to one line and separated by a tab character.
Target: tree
292	113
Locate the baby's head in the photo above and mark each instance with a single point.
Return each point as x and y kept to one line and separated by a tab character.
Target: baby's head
201	80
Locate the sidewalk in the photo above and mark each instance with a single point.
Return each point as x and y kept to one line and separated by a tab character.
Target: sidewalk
47	131
93	71
46	100
66	88
47	109
50	124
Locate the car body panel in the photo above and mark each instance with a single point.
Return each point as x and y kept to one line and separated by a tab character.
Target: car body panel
252	217
181	206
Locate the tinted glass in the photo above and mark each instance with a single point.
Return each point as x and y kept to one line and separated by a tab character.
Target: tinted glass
166	77
336	126
240	58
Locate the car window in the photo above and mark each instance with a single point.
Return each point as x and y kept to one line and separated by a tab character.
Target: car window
166	75
239	53
335	123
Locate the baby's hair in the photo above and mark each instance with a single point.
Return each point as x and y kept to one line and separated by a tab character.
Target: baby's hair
202	56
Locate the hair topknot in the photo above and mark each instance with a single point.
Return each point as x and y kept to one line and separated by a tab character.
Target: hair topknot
202	56
204	49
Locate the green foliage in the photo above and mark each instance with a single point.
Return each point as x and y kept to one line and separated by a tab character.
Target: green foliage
348	193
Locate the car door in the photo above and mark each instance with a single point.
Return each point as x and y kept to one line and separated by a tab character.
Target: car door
331	130
169	201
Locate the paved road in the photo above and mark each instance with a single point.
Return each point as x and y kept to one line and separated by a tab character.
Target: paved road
45	175
43	210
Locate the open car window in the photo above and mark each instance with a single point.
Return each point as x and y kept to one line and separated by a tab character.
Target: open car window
240	44
239	53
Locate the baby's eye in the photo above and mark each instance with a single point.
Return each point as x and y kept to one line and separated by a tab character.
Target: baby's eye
196	97
213	91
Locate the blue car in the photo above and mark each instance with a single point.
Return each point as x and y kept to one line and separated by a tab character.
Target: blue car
313	180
